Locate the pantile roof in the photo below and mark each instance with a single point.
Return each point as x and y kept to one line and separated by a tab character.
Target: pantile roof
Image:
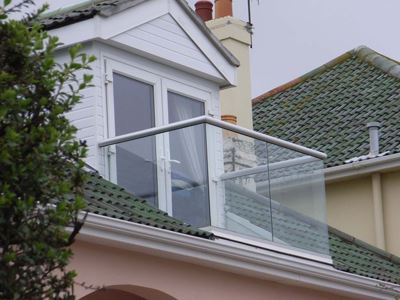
348	253
328	108
107	199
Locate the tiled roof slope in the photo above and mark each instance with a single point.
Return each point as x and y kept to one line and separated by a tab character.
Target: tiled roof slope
354	256
79	12
328	108
107	199
348	254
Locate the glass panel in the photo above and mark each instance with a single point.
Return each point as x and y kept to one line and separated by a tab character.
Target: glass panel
247	205
272	193
264	192
188	158
298	193
190	193
137	168
136	161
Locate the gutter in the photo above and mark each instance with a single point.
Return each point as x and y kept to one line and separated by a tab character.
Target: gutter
365	167
232	257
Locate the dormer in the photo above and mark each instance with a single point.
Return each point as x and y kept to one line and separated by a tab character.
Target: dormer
152	124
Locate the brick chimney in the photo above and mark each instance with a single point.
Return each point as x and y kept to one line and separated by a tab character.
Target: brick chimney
204	10
223	8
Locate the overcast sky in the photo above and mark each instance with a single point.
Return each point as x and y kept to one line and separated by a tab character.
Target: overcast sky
292	37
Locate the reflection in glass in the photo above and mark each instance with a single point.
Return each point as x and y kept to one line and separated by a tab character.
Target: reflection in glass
136	167
274	193
188	157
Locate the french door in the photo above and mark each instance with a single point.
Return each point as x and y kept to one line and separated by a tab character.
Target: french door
170	170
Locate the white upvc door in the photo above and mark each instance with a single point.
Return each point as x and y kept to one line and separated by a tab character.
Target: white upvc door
134	103
187	157
169	170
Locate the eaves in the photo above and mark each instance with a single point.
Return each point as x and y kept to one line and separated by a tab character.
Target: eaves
233	257
362	168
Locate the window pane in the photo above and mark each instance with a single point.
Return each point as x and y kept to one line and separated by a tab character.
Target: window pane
136	161
133	105
190	198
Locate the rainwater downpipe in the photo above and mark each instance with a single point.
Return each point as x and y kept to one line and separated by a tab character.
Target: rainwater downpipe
373	128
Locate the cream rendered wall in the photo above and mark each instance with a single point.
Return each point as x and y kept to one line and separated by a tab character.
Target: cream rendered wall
107	266
350	208
391	210
235	37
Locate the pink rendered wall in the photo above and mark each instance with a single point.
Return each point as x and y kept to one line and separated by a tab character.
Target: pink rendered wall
106	266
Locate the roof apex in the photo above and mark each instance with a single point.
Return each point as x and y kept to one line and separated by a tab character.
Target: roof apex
364	53
106	8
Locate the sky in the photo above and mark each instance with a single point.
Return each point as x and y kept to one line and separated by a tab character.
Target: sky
293	37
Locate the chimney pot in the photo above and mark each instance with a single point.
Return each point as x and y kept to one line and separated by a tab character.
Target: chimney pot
204	10
229	118
223	8
373	128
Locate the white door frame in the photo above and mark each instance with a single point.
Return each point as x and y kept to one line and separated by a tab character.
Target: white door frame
112	67
162	86
193	93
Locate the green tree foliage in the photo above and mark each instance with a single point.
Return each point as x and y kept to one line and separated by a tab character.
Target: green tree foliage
41	167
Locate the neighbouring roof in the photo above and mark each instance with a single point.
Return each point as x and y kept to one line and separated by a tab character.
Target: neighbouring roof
328	108
90	8
348	253
107	199
355	256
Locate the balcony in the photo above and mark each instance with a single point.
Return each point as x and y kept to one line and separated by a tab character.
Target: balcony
238	183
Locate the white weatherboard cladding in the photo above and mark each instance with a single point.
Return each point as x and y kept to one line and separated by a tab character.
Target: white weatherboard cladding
163	38
90	115
85	115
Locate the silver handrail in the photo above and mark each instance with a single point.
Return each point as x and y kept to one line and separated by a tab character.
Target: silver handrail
215	122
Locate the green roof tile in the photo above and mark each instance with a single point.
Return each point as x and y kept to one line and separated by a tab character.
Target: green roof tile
357	257
328	108
107	199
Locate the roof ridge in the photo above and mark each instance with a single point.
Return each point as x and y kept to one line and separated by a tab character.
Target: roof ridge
304	77
70	8
384	63
378	60
349	238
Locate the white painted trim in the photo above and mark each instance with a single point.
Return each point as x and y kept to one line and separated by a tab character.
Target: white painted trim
362	168
232	257
199	38
282	247
105	27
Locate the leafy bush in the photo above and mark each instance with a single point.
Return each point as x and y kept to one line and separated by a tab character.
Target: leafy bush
41	166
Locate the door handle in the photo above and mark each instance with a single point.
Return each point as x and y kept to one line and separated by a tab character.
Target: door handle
175	161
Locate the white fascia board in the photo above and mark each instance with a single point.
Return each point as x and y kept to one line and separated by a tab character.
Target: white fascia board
362	168
131	18
104	28
233	257
227	70
76	33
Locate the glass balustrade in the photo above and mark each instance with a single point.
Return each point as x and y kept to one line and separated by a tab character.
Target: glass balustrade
213	177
